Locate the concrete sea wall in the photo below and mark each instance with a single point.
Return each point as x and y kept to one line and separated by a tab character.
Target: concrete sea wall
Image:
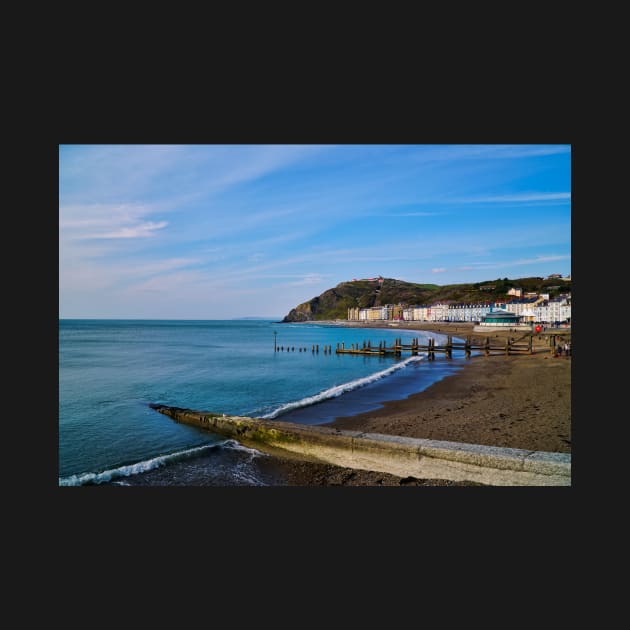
402	456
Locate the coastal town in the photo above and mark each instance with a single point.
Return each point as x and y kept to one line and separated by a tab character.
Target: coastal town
326	314
519	308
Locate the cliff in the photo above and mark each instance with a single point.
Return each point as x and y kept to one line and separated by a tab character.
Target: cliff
334	303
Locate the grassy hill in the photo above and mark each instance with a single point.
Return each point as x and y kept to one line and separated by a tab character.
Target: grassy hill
334	303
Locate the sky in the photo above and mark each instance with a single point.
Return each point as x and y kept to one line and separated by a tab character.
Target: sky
229	231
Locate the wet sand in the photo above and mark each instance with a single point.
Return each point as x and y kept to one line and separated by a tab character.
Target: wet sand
510	401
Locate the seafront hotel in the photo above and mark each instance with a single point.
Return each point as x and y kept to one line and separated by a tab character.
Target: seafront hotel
539	309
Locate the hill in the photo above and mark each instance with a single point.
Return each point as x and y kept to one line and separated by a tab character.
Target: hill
334	303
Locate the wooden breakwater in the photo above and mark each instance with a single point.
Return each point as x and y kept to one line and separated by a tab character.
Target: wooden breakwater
314	348
523	345
397	455
510	347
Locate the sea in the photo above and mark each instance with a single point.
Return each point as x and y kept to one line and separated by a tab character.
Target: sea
111	370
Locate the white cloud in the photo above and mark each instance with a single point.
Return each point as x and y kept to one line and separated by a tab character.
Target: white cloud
438	269
107	221
519	198
141	230
438	153
84	274
415	214
509	263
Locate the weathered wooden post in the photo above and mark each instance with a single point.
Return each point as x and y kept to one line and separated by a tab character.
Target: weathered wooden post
507	347
530	344
467	347
487	348
449	347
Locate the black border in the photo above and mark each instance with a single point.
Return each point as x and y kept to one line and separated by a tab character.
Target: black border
340	517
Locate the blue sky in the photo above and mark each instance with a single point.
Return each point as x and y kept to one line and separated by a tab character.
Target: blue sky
224	231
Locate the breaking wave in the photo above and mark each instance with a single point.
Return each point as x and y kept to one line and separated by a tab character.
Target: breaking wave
149	464
337	390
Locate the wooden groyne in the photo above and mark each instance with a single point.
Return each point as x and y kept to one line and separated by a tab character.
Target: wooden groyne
397	455
314	348
489	346
523	345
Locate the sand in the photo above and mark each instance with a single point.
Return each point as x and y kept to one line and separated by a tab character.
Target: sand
517	402
510	401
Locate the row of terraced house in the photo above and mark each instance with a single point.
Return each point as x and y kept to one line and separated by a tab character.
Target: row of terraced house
539	309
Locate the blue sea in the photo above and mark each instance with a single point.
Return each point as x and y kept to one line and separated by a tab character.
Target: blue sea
110	370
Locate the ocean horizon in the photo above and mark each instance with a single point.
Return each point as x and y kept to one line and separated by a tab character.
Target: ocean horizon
110	370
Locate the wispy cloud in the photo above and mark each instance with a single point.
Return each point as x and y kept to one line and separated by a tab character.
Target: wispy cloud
209	230
142	230
478	152
409	214
519	198
108	221
83	273
511	263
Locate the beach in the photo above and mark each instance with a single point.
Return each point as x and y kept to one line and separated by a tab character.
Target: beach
509	401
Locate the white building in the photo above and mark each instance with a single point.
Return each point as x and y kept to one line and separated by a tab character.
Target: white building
518	307
437	312
468	312
553	311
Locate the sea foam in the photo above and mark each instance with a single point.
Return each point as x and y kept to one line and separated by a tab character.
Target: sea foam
337	390
140	467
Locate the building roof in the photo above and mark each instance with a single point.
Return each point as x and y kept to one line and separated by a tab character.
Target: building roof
527	300
501	314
